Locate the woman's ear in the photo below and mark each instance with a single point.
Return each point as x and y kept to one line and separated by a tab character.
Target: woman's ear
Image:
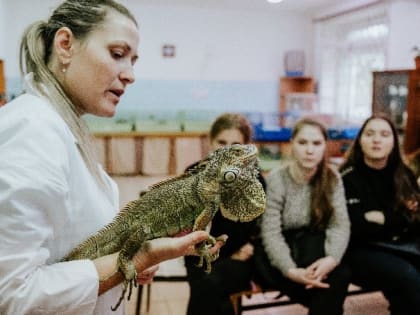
63	46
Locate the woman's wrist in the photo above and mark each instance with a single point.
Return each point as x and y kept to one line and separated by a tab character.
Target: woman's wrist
331	260
108	273
291	273
106	266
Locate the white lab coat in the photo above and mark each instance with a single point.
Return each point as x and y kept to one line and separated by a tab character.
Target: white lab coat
49	202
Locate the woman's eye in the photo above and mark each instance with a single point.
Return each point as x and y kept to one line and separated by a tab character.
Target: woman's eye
117	54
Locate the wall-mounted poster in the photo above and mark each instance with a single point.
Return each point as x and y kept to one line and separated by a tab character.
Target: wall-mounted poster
390	91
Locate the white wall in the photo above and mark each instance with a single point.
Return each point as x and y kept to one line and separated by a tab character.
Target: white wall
404	33
218	45
211	44
17	16
225	59
214	44
2	28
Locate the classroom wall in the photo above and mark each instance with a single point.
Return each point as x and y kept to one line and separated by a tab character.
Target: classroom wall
2	30
225	59
404	33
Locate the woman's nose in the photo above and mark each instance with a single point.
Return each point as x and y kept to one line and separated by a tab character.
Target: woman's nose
376	138
127	75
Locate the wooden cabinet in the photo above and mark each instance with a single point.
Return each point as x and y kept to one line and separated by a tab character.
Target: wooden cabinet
390	90
412	131
396	93
294	85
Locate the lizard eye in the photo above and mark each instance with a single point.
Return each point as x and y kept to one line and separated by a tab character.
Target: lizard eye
230	176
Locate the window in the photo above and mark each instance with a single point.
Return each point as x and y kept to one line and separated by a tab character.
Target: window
350	46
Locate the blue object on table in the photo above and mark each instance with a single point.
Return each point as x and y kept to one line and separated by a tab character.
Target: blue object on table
294	73
334	133
271	133
350	133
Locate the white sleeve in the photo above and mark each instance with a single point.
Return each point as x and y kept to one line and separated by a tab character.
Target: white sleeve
33	204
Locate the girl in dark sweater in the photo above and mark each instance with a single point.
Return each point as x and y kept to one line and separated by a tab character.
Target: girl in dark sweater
383	203
232	271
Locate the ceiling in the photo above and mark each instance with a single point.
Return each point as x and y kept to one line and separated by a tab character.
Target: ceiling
286	5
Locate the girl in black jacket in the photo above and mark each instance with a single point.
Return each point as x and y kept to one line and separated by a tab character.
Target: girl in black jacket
383	203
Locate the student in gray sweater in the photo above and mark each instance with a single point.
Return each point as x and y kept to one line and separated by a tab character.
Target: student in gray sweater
305	228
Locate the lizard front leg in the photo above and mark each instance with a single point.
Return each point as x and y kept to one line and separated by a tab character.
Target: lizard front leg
126	265
201	222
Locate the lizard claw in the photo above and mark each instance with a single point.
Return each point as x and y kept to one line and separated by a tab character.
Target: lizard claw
214	256
127	284
204	252
130	273
222	238
205	256
121	297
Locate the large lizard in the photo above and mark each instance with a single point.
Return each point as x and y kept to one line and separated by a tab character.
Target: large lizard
226	179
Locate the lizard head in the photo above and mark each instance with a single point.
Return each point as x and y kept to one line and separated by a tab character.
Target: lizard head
235	169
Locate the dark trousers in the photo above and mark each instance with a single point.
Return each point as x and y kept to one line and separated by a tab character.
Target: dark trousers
398	277
209	293
319	301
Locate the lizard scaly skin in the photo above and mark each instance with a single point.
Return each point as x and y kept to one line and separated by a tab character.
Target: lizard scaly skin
226	179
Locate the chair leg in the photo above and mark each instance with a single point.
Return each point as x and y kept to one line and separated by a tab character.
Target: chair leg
149	293
235	299
139	296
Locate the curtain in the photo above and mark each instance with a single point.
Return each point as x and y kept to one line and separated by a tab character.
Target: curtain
350	46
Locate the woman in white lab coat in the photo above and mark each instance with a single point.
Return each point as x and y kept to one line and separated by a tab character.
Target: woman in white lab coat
53	195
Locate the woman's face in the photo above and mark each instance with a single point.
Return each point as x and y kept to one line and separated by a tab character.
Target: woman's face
377	140
101	66
227	137
308	147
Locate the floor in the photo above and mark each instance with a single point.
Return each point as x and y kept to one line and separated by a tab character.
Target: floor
170	298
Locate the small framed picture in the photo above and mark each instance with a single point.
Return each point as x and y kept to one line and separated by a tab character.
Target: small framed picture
168	51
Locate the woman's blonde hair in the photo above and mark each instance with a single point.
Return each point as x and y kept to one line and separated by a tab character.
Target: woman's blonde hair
81	17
